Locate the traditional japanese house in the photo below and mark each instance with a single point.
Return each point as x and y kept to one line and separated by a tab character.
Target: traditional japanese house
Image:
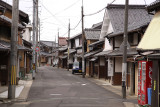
113	31
5	37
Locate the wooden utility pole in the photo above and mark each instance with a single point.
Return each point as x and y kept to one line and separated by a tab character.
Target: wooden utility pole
68	42
83	60
39	43
36	35
124	64
34	39
14	34
58	47
55	51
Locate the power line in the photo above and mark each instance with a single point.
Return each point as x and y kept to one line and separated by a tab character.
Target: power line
53	15
64	34
112	1
68	7
76	25
99	10
95	12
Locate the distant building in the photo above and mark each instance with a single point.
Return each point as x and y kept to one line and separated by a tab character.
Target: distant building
62	41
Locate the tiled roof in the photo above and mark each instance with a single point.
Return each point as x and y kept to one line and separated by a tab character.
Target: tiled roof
8	20
137	17
92	34
24	17
77	35
6	46
49	43
70	51
97	25
103	53
153	5
92	53
118	52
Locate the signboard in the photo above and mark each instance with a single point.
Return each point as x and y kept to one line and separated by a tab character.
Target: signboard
37	49
110	67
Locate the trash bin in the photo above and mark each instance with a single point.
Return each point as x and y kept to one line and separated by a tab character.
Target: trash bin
149	95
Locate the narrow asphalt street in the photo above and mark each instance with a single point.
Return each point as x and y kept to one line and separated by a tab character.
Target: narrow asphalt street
59	88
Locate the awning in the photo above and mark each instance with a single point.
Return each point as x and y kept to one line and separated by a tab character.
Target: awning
63	57
94	59
3	47
130	52
46	54
103	53
92	53
23	48
151	38
63	49
70	51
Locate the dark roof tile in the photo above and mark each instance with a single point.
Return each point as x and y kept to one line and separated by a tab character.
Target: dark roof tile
137	17
92	34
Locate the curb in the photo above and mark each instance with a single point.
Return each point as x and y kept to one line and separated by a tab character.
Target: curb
23	95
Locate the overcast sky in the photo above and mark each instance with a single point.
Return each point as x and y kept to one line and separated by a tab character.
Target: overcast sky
55	14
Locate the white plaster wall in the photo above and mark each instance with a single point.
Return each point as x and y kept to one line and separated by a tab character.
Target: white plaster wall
26	34
105	25
77	42
118	64
108	46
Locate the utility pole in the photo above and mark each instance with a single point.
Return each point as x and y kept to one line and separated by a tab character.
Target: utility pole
68	42
83	60
58	47
36	35
14	34
55	51
39	43
124	64
34	40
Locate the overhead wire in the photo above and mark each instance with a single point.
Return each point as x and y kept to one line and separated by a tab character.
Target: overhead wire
95	12
99	10
76	25
53	15
67	7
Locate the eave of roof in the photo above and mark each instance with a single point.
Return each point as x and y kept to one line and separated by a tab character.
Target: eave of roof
24	16
9	21
153	6
92	53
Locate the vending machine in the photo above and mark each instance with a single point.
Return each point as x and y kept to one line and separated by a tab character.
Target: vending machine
144	81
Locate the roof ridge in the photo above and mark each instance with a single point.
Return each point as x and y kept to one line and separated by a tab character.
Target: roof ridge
123	6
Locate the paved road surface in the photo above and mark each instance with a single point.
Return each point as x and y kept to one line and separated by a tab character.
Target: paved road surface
59	88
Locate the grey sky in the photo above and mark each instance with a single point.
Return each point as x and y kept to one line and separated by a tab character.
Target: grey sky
55	14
